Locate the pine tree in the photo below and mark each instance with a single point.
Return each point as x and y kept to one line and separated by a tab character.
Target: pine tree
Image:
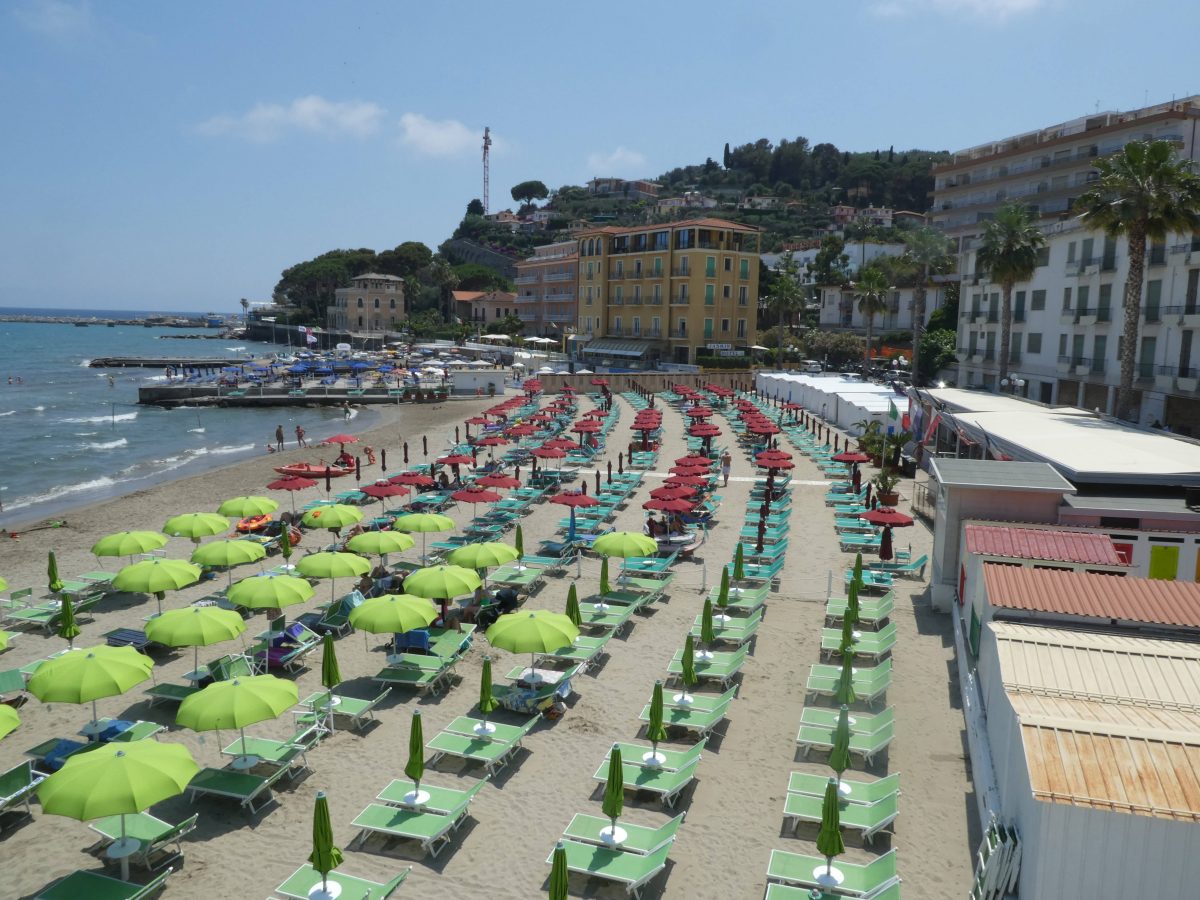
725	157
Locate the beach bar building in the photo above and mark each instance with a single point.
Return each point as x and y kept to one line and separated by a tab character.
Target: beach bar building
1095	749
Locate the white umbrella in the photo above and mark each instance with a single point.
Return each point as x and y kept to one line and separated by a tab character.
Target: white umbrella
494	337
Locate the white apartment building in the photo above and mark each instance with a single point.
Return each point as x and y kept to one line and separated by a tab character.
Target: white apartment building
1068	319
839	309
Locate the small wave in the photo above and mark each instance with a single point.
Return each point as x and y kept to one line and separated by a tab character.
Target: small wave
107	445
62	491
39	408
87	362
96	420
11	412
154	378
240	449
196	430
86	433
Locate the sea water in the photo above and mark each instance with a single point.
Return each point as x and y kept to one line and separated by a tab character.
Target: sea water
69	437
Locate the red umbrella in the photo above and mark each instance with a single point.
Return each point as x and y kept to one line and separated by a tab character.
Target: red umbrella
341	439
673	493
586	425
550	452
599	382
885	545
851	456
291	483
531	384
689	470
704	430
558	444
566	389
777	464
570	498
886	516
679	505
541	417
699	412
763	428
381	489
456	459
521	431
596	413
416	479
478	420
687	480
499	480
694	461
493	440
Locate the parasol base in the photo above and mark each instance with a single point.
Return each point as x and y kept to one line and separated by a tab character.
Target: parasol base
485	728
705	655
722	618
415	798
613	835
602	607
242	763
828	876
330	891
844	788
654	759
683	699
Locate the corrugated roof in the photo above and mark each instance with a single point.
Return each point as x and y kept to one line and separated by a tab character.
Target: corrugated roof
1041	543
1153	601
992	473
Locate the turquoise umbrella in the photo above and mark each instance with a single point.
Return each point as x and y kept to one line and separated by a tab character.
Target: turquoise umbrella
614	797
559	874
415	767
655	731
839	756
829	838
487	703
325	857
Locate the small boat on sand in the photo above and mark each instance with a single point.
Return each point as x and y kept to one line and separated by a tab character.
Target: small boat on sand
308	470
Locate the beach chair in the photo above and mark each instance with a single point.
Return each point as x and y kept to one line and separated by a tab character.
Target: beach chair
860	722
867	818
638	838
306	879
357	710
850	543
243	787
49	616
869	684
51	755
777	891
671	759
614	617
914	569
422	672
868	644
95	886
865	745
872	580
583	651
532	700
733	630
801	870
690	718
853	791
17	787
722	667
491	750
277	753
159	842
441	799
128	637
432	830
871	611
630	869
665	784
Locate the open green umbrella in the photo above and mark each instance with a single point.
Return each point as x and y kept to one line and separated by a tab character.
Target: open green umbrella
269	591
393	614
415	767
707	637
423	524
605	587
84	675
614	798
325	857
227	554
739	564
487	703
845	689
380	543
442	582
9	720
154	576
559	873
196	525
68	628
839	755
688	673
331	675
655	731
333	516
572	611
723	596
118	779
129	543
333	565
235	704
53	582
241	507
3	585
483	555
829	838
195	626
624	544
532	632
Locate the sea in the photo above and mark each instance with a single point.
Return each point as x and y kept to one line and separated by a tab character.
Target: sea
72	438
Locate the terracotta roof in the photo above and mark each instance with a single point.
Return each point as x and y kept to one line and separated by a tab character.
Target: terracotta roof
1041	543
1098	596
671	226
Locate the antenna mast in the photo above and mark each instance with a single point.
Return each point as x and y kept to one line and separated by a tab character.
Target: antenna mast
487	143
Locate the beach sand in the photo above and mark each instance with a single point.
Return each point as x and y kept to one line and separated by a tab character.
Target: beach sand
734	809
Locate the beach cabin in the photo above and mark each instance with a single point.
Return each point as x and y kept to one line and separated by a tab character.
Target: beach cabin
1095	751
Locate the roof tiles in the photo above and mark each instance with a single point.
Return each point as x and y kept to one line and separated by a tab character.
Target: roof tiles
1042	543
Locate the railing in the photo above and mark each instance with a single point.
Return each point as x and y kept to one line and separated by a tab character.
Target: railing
654	301
1152	314
1178	371
561	276
680	299
1144	370
1185	310
681	271
526	279
677	335
560	295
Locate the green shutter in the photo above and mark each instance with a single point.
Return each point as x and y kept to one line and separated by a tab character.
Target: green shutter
709	296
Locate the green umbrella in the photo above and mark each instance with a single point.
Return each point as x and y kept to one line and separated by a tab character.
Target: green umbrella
393	614
196	525
3	636
559	874
269	591
572	611
707	637
605	588
68	628
624	544
115	780
331	675
846	644
129	543
237	703
380	543
154	576
241	507
739	564
442	582
195	626
423	524
333	516
325	857
333	565
3	585
53	582
285	543
537	631
519	542
487	703
84	675
858	567
829	838
228	553
483	555
614	797
655	731
688	675
845	689
839	756
723	594
852	611
9	720
415	767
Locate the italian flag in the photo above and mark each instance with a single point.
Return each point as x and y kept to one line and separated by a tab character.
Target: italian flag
893	413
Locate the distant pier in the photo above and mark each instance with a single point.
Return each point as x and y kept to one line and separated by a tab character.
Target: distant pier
162	362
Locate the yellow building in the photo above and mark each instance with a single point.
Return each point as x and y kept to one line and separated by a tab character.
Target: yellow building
680	292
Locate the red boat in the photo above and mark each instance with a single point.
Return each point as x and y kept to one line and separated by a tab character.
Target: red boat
308	470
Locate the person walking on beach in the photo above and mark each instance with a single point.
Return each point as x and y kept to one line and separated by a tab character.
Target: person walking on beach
726	466
300	440
278	437
346	410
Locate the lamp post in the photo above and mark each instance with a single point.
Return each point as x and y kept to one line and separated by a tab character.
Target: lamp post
1013	385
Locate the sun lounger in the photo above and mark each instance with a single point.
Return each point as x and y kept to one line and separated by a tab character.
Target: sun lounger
860	722
638	838
853	791
613	616
357	710
276	753
722	667
869	683
865	745
17	786
914	569
489	750
733	630
432	830
776	891
526	578
801	870
240	786
550	564
305	879
532	700
50	755
671	759
872	580
441	799
95	886
868	644
858	542
49	617
871	611
123	731
689	718
159	842
584	651
423	672
666	784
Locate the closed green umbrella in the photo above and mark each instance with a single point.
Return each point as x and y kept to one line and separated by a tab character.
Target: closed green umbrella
9	720
537	631
688	673
614	797
285	544
227	554
845	689
68	628
707	637
85	675
605	588
3	585
196	525
154	576
241	507
129	543
269	591
235	704
195	626
559	873
846	644
333	565
487	703
53	582
331	675
655	731
829	838
839	756
483	555
572	611
333	516
858	567
325	857
723	595
519	544
739	564
423	524
624	544
415	767
852	610
393	614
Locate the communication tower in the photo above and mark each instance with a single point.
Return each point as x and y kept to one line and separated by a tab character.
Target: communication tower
487	143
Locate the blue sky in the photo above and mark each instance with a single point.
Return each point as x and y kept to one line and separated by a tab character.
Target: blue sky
179	155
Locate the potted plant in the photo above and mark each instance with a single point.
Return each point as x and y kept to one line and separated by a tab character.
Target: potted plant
871	441
885	487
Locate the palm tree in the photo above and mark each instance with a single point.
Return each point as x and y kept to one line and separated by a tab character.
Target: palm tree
786	297
927	252
871	291
1012	242
1143	193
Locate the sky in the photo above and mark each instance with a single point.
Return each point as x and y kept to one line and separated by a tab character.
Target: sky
179	156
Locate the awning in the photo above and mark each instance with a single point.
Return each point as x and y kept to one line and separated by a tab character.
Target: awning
611	347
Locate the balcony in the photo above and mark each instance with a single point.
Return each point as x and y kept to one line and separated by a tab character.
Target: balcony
559	296
559	316
1088	266
961	353
1185	379
681	272
527	315
676	334
1152	315
680	300
526	279
1086	316
561	276
978	317
1067	316
976	354
654	301
1144	371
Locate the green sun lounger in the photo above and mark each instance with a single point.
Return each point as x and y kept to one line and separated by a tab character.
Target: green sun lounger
776	891
424	673
432	830
867	818
812	737
583	651
801	870
856	791
492	752
638	838
94	886
671	759
465	725
735	630
305	879
699	702
526	578
867	644
700	721
357	710
550	564
872	580
17	787
869	683
723	667
650	583
860	722
871	611
613	617
276	753
159	842
914	569
666	784
49	616
441	799
240	786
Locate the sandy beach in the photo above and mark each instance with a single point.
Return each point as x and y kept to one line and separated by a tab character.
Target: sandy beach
733	810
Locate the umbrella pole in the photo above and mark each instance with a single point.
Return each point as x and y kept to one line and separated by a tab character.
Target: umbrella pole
124	857
95	719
